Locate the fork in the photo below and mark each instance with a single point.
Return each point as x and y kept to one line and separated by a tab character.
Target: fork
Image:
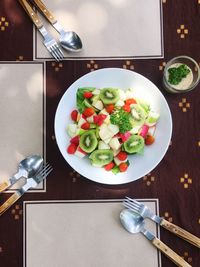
31	183
145	212
49	42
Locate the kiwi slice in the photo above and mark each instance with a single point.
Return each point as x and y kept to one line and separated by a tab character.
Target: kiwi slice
134	144
138	115
97	132
109	95
88	141
144	105
101	157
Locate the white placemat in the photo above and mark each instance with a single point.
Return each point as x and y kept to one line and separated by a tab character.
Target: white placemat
21	116
108	28
80	234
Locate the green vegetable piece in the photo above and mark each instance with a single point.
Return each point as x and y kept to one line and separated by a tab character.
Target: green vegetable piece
81	131
87	103
93	126
115	170
80	100
176	75
122	119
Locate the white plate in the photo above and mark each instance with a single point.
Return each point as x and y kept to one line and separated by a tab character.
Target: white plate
140	165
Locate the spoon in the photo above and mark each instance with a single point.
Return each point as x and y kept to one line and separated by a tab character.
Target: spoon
134	223
27	168
69	40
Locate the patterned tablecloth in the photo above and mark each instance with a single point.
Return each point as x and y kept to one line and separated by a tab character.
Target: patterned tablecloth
175	181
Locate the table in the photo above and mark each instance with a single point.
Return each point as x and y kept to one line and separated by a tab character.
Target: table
175	181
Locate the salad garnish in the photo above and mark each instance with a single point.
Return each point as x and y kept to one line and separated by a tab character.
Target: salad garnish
121	118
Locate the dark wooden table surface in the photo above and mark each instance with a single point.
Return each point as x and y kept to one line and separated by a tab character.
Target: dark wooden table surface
175	181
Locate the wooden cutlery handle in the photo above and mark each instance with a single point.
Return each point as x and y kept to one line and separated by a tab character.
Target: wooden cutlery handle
170	253
45	11
4	186
194	240
32	14
9	202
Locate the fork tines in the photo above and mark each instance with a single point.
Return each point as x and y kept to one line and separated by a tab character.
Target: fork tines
46	170
56	52
132	204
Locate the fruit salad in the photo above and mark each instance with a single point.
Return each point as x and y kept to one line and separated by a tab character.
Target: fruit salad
109	125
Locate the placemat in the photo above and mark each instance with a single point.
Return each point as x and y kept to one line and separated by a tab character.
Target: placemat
109	28
84	233
21	116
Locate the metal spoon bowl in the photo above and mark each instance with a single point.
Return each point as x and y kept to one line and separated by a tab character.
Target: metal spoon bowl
70	41
132	222
135	223
30	165
27	168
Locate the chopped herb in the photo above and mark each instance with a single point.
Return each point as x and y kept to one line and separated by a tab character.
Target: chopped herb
177	74
122	119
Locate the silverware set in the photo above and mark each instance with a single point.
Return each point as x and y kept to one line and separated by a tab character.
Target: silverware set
133	220
145	212
69	40
33	170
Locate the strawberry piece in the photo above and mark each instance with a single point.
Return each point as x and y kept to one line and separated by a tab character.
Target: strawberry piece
109	166
88	112
71	149
110	108
85	126
74	115
125	136
122	155
83	116
99	119
102	118
123	166
118	135
75	140
96	119
127	108
100	122
130	101
87	94
149	140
